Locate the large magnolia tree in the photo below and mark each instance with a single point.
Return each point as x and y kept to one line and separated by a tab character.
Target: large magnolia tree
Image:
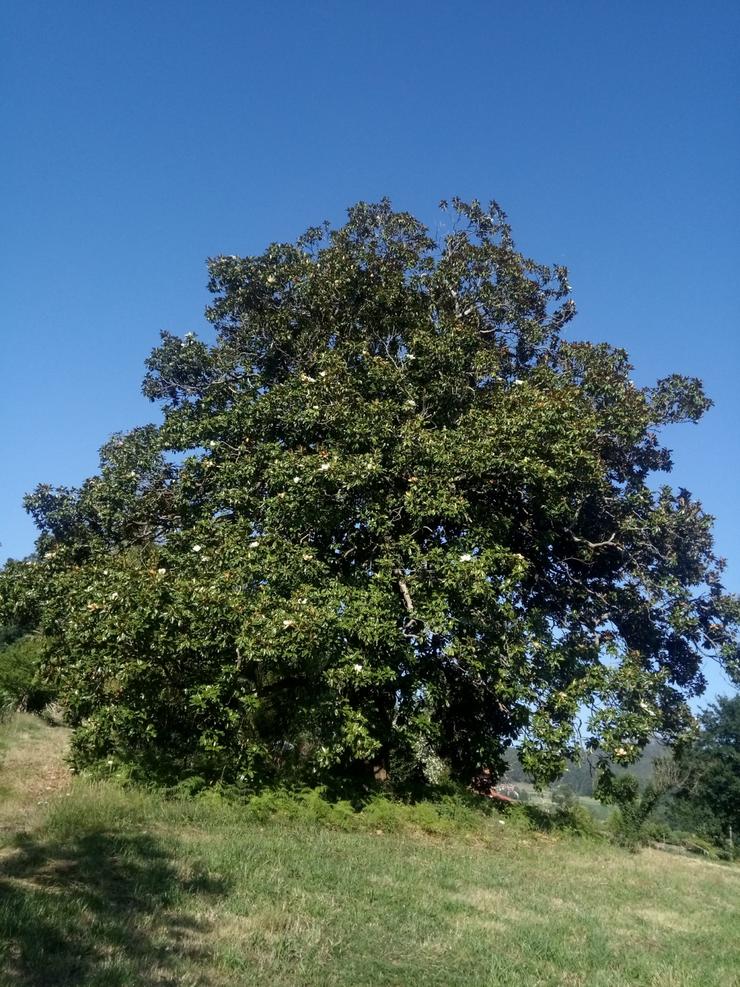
392	520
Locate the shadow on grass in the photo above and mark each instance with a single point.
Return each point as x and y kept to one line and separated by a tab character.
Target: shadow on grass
99	910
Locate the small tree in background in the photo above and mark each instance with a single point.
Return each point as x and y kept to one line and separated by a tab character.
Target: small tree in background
564	797
391	519
708	799
636	804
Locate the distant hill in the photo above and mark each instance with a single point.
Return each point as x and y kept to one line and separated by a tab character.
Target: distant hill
581	776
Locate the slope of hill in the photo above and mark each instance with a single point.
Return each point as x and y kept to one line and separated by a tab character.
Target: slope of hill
112	886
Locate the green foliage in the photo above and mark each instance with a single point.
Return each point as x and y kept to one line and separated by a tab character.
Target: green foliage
582	768
391	521
708	800
9	633
635	806
447	816
8	705
574	820
564	796
20	681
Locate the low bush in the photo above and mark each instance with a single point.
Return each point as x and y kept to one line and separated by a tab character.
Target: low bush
575	820
450	815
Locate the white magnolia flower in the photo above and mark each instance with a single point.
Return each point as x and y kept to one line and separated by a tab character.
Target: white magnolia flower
197	548
296	479
322	374
466	557
324	467
358	667
212	444
518	381
288	623
254	544
620	752
161	572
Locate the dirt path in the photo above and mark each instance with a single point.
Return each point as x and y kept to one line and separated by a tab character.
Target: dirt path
32	771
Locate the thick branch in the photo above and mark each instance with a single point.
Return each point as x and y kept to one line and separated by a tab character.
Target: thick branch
406	595
596	544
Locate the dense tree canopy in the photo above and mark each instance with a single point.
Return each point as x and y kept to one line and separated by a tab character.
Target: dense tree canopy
708	801
391	520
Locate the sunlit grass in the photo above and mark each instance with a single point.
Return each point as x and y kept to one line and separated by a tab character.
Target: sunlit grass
119	887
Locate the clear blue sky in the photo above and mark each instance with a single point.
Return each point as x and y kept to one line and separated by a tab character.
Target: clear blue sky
139	138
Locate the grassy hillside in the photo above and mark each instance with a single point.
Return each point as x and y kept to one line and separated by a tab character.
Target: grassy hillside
105	886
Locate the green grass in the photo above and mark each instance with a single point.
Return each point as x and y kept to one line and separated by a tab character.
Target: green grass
544	799
119	887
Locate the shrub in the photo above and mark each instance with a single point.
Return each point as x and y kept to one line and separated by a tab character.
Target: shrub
20	682
577	819
564	796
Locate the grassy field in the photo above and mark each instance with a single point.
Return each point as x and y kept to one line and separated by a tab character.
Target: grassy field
105	886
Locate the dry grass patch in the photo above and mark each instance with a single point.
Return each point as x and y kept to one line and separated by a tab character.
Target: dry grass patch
32	770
